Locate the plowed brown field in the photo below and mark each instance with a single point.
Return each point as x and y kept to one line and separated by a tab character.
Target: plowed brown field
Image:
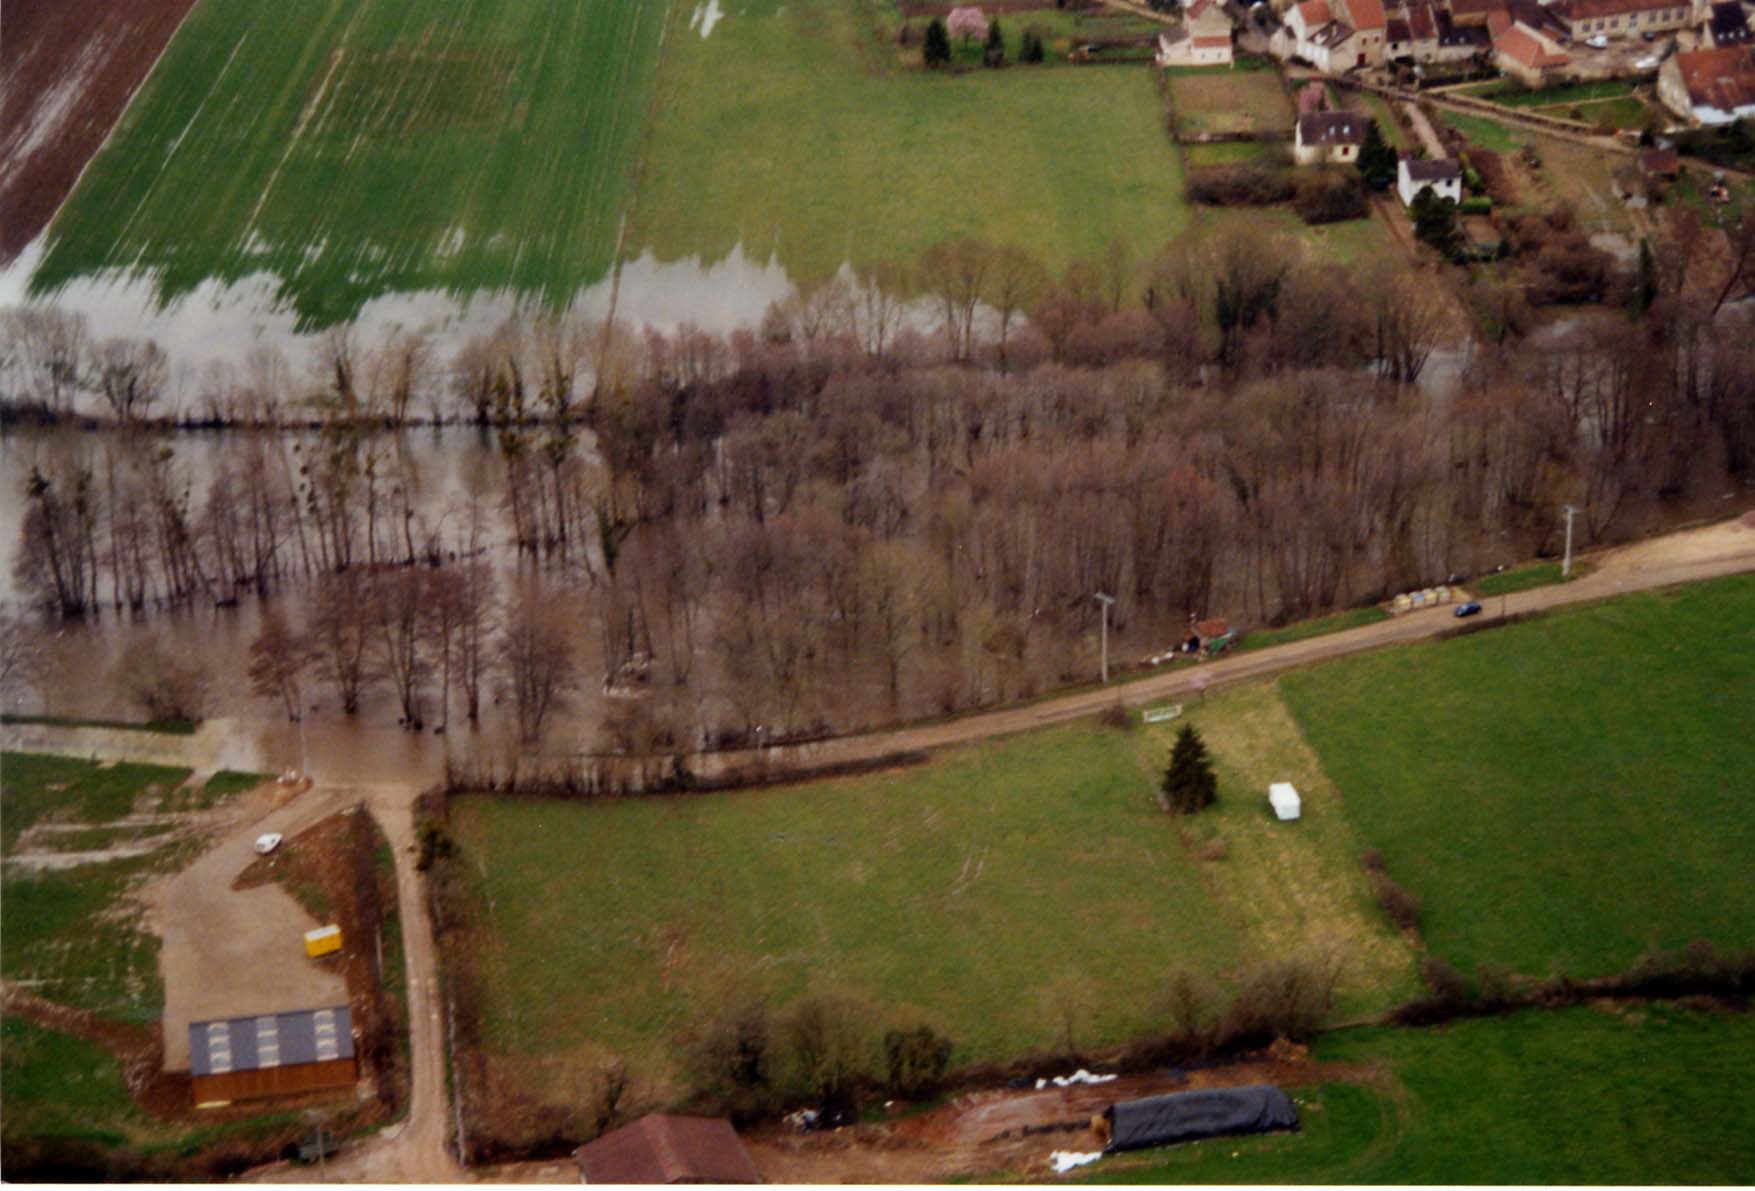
67	71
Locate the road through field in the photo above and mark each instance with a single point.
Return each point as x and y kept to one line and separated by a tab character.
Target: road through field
416	1149
1724	549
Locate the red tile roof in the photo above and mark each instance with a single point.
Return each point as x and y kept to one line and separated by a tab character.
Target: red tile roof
1462	9
1365	15
1420	22
668	1149
1211	43
1519	45
1722	78
1315	14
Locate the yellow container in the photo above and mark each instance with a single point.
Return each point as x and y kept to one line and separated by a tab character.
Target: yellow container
322	941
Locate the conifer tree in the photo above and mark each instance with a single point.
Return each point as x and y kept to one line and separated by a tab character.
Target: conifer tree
1189	782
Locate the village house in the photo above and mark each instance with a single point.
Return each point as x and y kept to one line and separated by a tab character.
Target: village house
1335	35
1709	86
1326	138
1414	175
1203	38
1427	33
1528	56
1727	25
1586	19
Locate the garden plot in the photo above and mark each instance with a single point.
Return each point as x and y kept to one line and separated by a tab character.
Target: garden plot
1221	101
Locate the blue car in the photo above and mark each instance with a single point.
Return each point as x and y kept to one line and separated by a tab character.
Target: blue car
1468	609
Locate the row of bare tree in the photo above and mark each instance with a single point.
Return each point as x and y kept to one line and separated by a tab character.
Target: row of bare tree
792	528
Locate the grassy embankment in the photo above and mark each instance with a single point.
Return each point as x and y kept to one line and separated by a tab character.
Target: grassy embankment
793	130
1619	1095
973	890
1562	794
357	148
163	727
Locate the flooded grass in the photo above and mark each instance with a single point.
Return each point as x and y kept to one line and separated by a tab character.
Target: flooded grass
352	149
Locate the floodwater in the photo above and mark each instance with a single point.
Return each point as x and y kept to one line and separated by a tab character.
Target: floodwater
223	323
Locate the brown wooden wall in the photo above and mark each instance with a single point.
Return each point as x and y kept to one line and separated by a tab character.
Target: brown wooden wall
275	1081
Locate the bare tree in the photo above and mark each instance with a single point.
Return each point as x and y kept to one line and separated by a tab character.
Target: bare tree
537	656
339	640
956	272
278	662
1017	283
131	375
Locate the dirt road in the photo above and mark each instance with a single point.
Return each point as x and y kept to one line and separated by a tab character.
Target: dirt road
1724	549
413	1150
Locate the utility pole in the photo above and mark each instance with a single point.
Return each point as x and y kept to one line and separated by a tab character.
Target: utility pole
1566	567
1106	601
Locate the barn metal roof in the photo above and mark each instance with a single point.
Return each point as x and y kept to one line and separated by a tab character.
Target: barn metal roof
270	1040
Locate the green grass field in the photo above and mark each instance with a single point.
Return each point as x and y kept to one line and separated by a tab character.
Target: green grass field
791	130
58	1088
1561	794
964	890
1356	241
1614	1095
355	147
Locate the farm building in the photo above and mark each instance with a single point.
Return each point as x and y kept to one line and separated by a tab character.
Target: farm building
1414	175
1529	56
1709	86
1326	137
275	1054
662	1148
1190	1116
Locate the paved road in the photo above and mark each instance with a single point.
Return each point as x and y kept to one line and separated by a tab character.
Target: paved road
1724	549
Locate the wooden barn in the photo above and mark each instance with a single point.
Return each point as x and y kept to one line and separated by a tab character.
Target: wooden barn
275	1054
662	1148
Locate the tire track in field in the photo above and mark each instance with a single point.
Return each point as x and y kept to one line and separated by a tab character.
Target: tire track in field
636	183
151	191
312	105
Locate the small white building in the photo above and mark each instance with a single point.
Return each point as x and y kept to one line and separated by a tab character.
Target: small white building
1285	800
1414	175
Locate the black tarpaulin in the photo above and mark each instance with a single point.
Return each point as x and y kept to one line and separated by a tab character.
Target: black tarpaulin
1189	1116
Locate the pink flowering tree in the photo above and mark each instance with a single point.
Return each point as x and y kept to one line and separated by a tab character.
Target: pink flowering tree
966	21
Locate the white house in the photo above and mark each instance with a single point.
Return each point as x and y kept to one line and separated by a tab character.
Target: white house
1413	176
1284	798
1334	35
1322	138
1204	38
